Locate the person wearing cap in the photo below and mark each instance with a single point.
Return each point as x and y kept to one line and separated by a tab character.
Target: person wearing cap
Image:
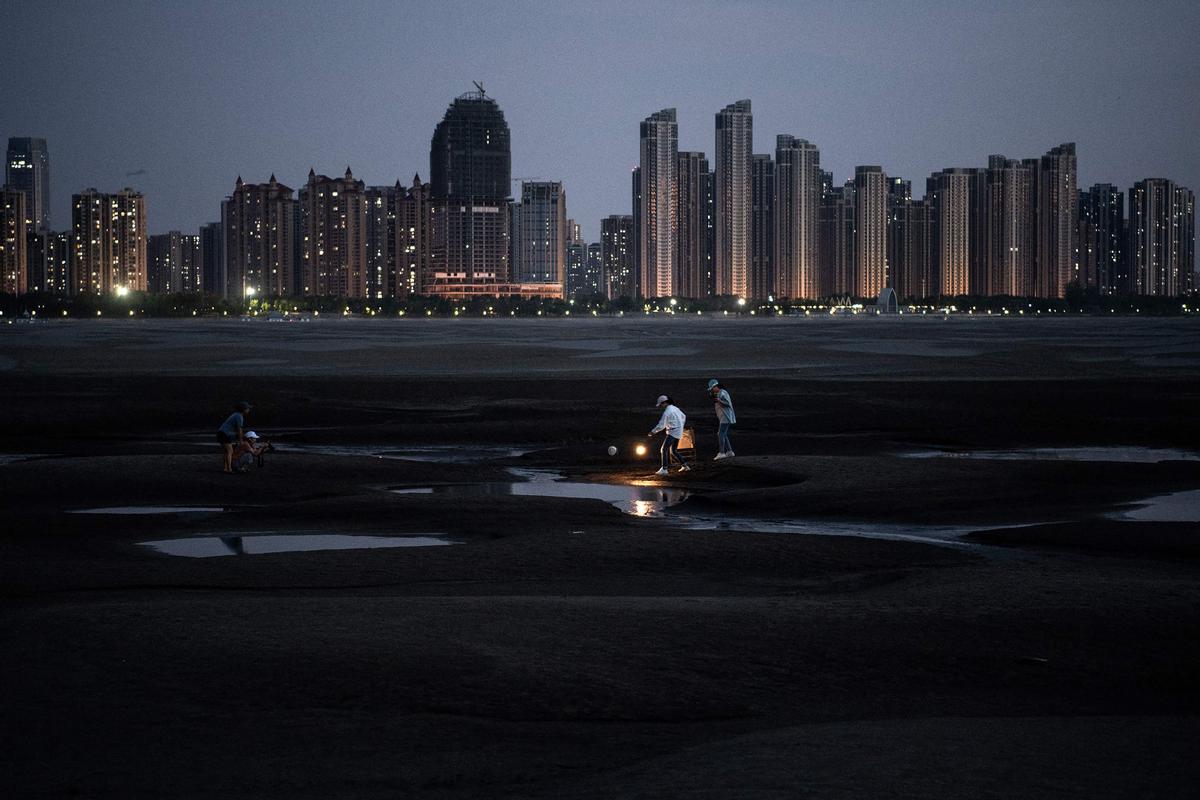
726	419
671	424
248	452
231	434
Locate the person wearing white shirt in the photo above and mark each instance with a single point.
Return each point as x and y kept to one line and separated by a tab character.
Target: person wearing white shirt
671	424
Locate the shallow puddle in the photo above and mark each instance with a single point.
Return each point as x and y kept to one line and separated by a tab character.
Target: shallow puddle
140	510
946	535
1138	455
639	500
256	544
1176	507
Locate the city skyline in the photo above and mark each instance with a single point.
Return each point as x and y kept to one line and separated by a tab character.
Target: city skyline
870	101
1015	228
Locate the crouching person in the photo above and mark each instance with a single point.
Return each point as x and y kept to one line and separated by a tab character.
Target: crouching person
249	452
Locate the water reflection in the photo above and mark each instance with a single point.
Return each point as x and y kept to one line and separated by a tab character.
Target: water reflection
1133	455
640	498
142	510
254	544
1177	507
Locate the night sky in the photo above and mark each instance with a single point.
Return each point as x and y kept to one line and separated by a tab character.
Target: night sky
196	93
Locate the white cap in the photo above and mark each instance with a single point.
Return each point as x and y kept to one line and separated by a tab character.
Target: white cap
662	398
251	435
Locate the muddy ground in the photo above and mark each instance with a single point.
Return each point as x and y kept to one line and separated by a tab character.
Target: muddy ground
562	648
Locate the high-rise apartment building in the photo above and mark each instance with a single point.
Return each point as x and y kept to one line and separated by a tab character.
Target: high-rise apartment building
799	194
58	264
691	254
1057	217
585	270
1162	238
212	258
870	213
574	232
734	148
576	267
1011	226
910	242
593	270
957	201
380	240
259	229
1102	239
109	235
837	240
13	242
710	221
469	248
469	155
616	256
37	250
635	284
658	202
470	167
543	231
27	170
413	239
333	214
762	227
173	263
514	237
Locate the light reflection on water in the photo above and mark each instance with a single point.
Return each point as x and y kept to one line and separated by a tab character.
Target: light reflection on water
640	498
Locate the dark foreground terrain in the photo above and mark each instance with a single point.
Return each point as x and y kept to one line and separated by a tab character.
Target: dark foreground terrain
561	648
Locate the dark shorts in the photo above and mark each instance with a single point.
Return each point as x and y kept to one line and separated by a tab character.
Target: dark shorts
223	438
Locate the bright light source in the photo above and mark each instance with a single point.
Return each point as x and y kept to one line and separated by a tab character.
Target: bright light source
249	291
122	291
640	449
741	301
674	302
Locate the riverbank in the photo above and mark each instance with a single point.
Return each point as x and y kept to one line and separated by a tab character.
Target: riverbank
561	648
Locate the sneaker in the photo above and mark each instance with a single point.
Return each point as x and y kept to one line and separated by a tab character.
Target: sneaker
729	454
684	468
720	456
662	471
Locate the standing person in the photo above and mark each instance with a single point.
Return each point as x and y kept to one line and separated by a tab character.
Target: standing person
726	419
671	423
232	433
